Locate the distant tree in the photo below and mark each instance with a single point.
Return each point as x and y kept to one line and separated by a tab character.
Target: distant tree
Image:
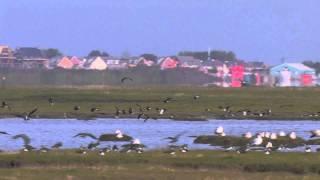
215	54
314	65
151	57
95	53
51	53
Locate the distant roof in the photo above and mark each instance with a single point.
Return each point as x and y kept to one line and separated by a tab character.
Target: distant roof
300	66
29	52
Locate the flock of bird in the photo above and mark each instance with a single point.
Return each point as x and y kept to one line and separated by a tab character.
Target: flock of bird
146	113
262	140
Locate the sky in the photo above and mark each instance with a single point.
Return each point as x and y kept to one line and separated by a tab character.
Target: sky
265	30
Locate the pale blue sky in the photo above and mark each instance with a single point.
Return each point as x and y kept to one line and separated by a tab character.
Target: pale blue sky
254	29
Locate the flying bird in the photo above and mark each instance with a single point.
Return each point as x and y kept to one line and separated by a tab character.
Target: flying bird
27	115
24	137
83	135
126	78
57	145
168	99
3	132
175	138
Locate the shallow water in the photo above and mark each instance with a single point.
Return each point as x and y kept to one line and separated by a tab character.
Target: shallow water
152	133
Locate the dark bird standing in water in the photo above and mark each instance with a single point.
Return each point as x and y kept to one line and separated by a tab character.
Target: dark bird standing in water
126	78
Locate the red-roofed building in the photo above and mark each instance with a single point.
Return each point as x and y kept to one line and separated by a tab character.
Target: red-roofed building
65	63
169	63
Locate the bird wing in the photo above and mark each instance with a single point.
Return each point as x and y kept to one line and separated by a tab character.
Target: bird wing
3	132
83	135
24	137
33	111
126	78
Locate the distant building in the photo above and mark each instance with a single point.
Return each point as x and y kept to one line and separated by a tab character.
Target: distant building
189	62
96	63
115	63
292	74
7	58
30	57
64	63
168	63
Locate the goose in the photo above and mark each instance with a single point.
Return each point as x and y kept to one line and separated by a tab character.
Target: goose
315	133
219	130
247	135
292	135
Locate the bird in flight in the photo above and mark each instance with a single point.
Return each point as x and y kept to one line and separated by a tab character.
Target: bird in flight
25	138
125	79
168	99
27	115
175	138
83	135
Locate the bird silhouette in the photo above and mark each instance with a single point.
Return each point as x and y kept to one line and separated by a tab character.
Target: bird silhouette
175	138
51	101
24	137
83	135
126	79
168	99
57	145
